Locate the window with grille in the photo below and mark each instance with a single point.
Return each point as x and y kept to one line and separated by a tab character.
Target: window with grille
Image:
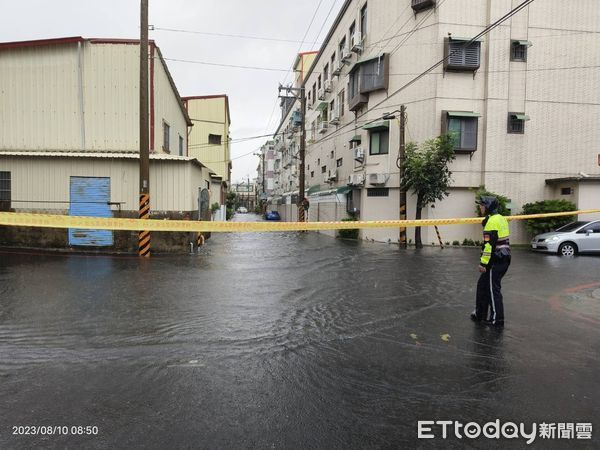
378	192
323	169
180	146
339	162
5	190
516	123
374	75
363	21
518	51
461	57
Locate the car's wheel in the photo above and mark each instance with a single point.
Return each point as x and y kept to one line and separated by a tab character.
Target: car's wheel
567	249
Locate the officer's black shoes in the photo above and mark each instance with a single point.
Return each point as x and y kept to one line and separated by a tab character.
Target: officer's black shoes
497	324
474	317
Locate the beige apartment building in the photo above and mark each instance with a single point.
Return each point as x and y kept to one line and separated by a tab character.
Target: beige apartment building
521	101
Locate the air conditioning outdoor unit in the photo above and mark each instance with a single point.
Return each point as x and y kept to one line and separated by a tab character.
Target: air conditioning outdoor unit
325	178
357	42
333	176
378	179
356	179
321	94
337	69
323	127
334	118
346	55
359	154
327	85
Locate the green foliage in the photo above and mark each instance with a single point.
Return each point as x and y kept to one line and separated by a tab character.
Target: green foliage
232	201
351	233
455	243
426	170
468	242
502	201
537	226
215	207
229	213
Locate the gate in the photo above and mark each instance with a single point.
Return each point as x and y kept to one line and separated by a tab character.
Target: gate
90	196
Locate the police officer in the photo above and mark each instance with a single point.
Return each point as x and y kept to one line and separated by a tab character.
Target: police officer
493	264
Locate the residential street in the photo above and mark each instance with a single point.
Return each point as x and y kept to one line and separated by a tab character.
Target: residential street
291	340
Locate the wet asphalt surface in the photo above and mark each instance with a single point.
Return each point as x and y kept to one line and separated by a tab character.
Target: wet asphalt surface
292	340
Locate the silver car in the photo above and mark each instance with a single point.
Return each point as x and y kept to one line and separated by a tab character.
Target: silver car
576	237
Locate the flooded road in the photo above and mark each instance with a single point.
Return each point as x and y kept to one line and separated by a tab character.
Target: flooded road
291	340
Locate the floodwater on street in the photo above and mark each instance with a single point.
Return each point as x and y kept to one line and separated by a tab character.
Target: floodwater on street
291	340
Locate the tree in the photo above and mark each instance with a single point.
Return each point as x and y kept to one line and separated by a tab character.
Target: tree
537	226
502	201
426	173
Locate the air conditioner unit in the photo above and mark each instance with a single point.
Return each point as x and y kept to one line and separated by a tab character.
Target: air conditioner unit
378	179
333	176
357	42
334	115
356	179
327	85
337	69
325	178
346	55
323	127
359	154
321	94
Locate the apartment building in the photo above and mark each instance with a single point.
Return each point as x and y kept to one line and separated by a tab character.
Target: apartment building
520	101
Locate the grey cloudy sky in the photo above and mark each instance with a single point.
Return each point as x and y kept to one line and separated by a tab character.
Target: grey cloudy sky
252	93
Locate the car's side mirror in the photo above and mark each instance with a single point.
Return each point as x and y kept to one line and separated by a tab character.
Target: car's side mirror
588	232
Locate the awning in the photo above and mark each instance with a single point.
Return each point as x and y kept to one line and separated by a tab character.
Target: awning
378	125
520	116
344	190
321	106
356	138
527	43
463	114
465	39
313	189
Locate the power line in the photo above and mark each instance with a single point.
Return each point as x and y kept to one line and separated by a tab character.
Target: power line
238	36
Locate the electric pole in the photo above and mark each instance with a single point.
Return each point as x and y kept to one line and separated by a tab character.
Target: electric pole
401	157
144	206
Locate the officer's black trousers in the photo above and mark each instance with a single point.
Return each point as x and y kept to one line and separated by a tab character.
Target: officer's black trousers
489	297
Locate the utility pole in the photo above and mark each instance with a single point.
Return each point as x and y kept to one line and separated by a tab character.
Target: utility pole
299	93
144	206
401	163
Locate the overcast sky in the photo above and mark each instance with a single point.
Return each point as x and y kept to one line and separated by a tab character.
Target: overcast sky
252	93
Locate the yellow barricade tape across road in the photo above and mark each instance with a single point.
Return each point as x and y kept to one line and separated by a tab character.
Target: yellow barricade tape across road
99	223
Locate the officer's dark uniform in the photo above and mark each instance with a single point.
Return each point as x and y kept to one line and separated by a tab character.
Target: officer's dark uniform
495	257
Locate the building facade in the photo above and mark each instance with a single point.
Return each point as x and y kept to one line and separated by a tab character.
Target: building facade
69	133
209	139
519	100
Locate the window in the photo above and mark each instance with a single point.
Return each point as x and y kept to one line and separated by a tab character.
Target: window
342	48
309	96
518	50
332	155
460	57
5	191
314	92
516	122
332	62
326	72
332	109
214	139
363	21
566	191
323	169
374	74
592	227
463	127
352	31
339	162
341	102
378	192
319	82
180	146
166	136
379	143
319	162
312	174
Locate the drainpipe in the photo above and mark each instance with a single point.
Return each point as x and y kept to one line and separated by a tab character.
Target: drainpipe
485	96
81	105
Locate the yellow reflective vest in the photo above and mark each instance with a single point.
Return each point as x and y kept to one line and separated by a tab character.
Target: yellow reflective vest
495	239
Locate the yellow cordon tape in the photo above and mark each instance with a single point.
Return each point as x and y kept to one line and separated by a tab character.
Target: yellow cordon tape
99	223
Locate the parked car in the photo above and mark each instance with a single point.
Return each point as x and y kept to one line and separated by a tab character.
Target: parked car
242	210
569	240
272	215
